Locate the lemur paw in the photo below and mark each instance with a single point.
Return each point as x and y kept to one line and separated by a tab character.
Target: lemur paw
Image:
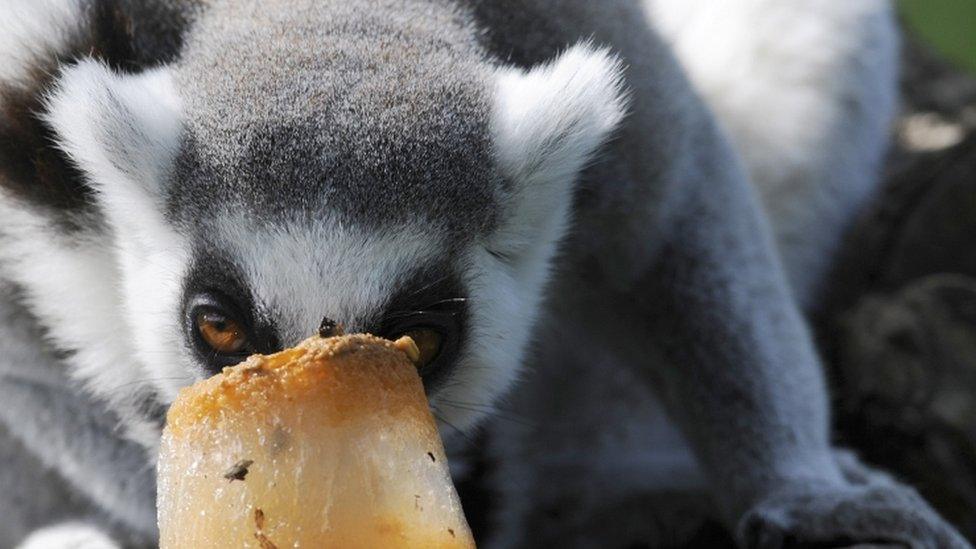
871	508
68	536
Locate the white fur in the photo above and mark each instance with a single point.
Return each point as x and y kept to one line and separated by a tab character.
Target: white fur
306	271
781	77
31	30
101	297
73	286
68	536
547	123
503	307
124	131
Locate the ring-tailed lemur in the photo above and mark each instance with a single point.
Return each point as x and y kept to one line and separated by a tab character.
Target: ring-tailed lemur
557	190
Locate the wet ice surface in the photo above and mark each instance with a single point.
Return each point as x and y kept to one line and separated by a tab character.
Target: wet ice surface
347	461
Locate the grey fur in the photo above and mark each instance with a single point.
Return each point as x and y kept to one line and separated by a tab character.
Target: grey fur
377	113
62	458
420	62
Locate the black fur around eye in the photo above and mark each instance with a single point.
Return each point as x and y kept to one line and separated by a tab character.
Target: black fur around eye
436	330
432	308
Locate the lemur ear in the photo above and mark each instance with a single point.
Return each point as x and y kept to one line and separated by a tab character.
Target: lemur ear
121	130
547	123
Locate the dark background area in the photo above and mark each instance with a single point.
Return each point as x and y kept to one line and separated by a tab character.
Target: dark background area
899	332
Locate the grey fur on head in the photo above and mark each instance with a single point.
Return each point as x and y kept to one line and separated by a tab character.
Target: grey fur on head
391	122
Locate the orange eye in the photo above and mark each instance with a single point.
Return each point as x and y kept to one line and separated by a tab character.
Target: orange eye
221	333
428	343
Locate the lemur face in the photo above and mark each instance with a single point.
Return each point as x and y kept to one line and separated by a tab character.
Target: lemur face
311	206
251	286
424	200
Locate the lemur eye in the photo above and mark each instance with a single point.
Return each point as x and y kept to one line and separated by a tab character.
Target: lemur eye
222	333
428	342
219	332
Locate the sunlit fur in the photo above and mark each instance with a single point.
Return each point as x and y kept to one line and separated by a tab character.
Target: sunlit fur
816	167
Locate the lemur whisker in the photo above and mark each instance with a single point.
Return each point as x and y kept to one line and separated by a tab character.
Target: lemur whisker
401	314
406	312
428	286
488	407
449	300
492	413
438	416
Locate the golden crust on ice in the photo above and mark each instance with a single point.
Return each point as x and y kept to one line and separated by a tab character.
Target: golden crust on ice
345	368
328	444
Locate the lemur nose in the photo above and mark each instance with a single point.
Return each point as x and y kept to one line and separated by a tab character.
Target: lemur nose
329	328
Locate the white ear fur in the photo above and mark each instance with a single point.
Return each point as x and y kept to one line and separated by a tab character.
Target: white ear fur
123	131
547	124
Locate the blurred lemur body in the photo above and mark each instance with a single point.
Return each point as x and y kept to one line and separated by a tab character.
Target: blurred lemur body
586	201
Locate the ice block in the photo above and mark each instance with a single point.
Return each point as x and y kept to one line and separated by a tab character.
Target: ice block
328	444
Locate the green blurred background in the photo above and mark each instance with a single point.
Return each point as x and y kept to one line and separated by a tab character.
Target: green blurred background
948	25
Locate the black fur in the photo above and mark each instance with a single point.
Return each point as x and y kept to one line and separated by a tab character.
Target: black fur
214	276
347	168
432	298
128	36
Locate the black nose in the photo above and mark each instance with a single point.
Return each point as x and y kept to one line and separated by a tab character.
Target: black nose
329	328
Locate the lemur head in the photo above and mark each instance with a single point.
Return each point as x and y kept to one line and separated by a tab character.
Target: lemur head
398	185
